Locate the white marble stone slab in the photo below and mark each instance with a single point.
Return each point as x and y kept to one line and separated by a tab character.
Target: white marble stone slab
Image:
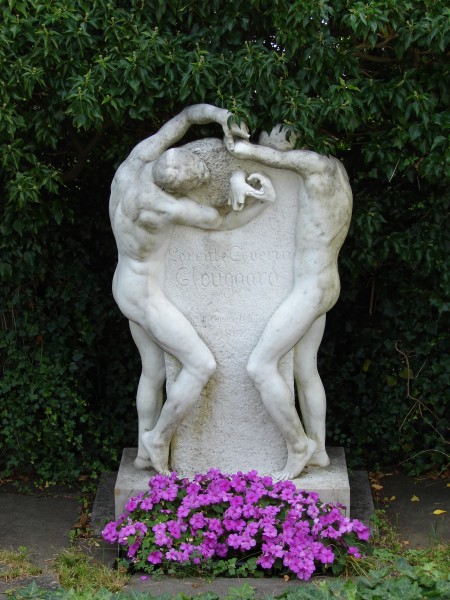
228	284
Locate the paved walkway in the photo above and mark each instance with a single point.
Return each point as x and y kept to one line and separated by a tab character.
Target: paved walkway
43	522
411	506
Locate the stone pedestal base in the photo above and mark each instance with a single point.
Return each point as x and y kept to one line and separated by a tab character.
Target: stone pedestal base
331	483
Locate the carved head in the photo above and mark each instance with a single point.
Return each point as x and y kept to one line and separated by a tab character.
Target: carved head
277	138
179	170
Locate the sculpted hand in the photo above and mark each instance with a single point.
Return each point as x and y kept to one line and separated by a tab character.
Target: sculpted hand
240	148
240	189
232	130
266	189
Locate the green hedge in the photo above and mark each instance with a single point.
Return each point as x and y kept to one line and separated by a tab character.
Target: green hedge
82	82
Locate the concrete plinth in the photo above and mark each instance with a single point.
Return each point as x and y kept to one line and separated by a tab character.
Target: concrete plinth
331	483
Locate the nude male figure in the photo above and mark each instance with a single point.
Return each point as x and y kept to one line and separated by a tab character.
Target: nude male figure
324	212
149	196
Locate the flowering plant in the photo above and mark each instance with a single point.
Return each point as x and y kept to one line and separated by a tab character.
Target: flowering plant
234	523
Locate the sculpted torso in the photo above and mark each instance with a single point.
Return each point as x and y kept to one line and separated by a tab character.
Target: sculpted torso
324	212
142	226
325	204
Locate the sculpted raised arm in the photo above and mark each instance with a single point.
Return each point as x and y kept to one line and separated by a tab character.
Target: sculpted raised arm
172	131
304	162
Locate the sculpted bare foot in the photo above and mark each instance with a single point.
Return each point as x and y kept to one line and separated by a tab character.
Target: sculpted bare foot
158	452
141	462
319	459
296	462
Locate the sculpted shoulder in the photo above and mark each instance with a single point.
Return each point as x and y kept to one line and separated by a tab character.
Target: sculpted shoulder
126	183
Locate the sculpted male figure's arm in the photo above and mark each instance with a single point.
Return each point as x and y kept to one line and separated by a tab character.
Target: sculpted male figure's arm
172	131
303	162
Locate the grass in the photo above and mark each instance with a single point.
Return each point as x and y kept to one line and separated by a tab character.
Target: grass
15	564
80	572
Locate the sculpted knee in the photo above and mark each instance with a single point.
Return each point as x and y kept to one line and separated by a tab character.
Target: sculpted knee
201	366
210	366
156	376
256	371
307	376
206	368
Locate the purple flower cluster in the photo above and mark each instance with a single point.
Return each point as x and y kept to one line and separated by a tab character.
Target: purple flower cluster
217	516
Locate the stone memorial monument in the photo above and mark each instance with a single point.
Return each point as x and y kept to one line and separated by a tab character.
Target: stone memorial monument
227	266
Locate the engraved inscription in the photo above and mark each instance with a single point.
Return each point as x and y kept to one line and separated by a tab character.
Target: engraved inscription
235	254
186	276
221	320
208	268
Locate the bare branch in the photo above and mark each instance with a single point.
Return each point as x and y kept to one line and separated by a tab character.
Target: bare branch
376	59
418	404
381	44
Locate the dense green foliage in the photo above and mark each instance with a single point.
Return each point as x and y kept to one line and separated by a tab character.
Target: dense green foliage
83	81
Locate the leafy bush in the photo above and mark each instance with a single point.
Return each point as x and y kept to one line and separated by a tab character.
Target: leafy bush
82	82
53	423
392	349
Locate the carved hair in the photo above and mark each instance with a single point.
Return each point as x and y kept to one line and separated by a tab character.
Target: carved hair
278	138
177	167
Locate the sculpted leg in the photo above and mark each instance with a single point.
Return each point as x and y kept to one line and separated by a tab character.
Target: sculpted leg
149	395
279	402
181	398
310	390
174	334
281	334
